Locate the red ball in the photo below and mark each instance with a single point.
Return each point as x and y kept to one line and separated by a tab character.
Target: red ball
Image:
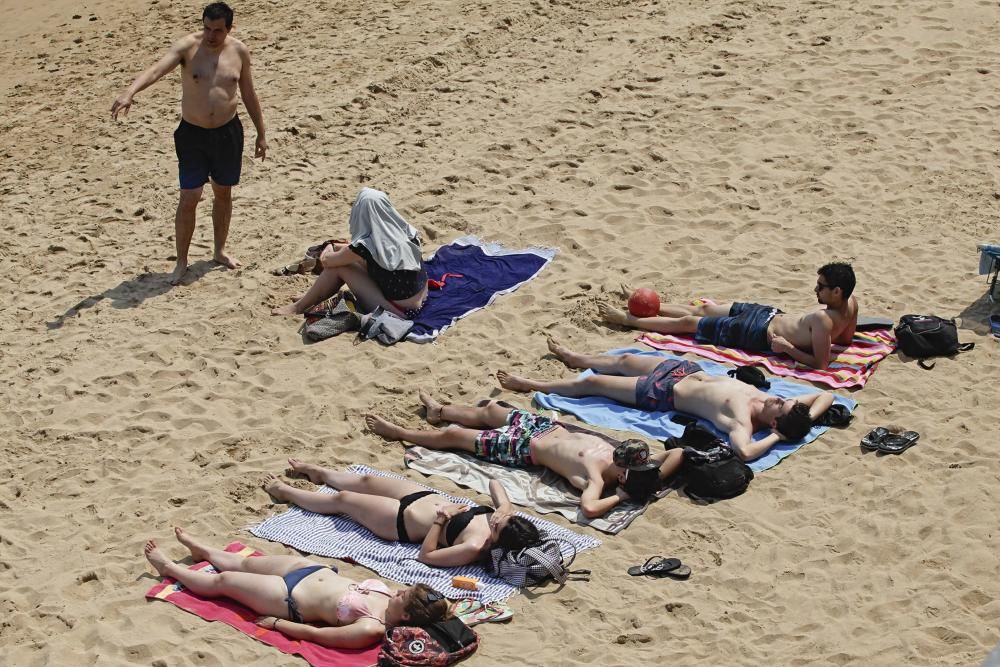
644	302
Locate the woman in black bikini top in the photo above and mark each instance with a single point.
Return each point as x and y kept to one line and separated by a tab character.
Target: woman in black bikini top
396	509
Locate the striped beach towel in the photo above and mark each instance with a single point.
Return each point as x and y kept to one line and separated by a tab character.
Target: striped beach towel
236	615
850	366
338	536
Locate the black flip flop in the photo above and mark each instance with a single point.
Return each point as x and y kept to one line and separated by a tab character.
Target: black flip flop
874	437
897	443
658	566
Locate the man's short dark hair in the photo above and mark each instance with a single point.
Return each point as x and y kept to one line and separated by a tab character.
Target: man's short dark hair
839	274
796	424
640	485
218	10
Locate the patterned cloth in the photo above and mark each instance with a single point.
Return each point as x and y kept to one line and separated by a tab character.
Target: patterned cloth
337	536
510	445
850	365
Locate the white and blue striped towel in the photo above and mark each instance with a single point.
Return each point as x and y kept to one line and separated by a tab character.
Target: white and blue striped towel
338	536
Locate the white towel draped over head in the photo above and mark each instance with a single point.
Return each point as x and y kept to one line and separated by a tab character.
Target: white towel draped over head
379	227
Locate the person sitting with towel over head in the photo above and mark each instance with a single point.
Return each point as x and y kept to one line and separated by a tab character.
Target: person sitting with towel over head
382	265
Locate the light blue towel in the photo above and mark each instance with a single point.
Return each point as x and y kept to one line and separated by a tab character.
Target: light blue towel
601	411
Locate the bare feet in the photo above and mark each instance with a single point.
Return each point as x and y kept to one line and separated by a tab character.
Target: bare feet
274	486
315	473
384	428
612	314
290	309
226	260
156	557
514	382
626	290
564	354
434	408
178	275
198	550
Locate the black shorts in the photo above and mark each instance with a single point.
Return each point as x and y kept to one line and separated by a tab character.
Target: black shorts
215	152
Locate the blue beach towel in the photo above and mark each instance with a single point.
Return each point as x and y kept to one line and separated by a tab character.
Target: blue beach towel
601	411
486	270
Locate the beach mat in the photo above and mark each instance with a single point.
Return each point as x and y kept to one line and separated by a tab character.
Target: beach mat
237	616
474	274
602	411
537	488
850	366
338	536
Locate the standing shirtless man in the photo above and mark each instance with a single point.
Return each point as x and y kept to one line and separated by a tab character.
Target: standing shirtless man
209	139
806	338
500	433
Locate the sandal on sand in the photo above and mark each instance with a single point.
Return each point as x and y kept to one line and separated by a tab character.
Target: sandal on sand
295	269
874	437
473	612
897	443
658	566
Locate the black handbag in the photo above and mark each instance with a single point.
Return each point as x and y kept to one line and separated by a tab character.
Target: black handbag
924	336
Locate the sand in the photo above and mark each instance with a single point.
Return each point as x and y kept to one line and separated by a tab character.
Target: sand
711	148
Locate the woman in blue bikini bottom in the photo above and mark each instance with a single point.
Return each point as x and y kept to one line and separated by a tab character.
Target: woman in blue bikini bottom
294	592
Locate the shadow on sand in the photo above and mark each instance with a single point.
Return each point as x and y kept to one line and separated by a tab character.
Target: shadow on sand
132	292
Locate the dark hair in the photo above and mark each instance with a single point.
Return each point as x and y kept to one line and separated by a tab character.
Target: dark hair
218	10
640	485
839	274
424	605
796	424
518	534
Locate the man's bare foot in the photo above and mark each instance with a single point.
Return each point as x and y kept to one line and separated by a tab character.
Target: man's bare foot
384	428
274	486
514	382
314	472
226	260
178	275
626	290
434	408
198	550
564	354
156	557
290	309
612	314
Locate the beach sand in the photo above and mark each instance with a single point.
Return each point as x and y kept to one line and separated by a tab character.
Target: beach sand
715	148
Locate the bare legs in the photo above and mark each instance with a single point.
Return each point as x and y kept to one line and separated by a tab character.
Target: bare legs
184	230
222	212
472	420
355	276
184	223
370	500
254	582
617	379
672	318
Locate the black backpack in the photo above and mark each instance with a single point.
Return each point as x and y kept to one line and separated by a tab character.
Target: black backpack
436	645
923	336
711	470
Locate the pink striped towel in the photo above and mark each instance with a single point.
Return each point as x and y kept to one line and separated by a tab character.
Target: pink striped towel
850	366
236	615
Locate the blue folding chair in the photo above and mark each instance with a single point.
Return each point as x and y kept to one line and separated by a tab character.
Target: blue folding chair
989	266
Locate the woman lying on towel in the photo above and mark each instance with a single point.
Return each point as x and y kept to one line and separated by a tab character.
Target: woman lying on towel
381	265
294	592
449	535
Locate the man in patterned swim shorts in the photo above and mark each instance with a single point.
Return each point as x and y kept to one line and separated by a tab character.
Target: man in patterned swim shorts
658	384
500	433
806	337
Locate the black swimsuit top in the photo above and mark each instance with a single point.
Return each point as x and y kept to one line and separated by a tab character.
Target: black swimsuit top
460	522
